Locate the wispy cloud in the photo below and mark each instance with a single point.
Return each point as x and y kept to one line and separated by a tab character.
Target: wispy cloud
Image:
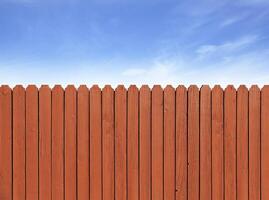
246	68
232	20
229	47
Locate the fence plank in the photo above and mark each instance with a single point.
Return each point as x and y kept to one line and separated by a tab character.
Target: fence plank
217	144
5	143
95	144
142	144
108	142
120	143
157	143
18	143
57	143
31	143
254	143
145	142
169	143
132	144
230	142
205	143
265	143
83	140
181	143
242	143
193	143
70	142
45	143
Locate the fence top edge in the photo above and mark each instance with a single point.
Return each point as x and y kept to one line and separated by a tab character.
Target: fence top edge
139	87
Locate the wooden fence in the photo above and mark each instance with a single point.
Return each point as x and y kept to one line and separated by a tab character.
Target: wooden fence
159	144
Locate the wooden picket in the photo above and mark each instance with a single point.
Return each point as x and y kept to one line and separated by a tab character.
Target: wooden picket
134	144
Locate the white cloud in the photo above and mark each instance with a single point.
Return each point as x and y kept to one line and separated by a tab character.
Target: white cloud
230	47
232	20
247	68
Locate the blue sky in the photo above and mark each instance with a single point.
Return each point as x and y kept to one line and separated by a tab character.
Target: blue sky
134	42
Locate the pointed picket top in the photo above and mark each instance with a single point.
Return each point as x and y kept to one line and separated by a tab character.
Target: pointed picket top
70	87
157	90
242	87
169	88
217	92
83	88
57	88
265	92
157	87
205	87
5	90
193	87
108	88
145	88
18	88
44	87
19	91
254	89
120	88
181	87
95	87
31	87
230	88
217	88
132	87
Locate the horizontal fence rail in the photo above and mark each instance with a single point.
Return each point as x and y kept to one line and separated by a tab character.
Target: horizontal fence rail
134	144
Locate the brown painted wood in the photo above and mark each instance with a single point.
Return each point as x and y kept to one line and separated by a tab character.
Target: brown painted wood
254	143
57	143
142	144
265	143
5	142
45	143
242	143
19	143
230	142
31	143
108	135
120	143
83	146
145	142
95	144
132	144
181	143
169	144
217	144
193	143
205	143
157	144
70	143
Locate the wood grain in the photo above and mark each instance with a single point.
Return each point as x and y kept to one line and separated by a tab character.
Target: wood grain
193	143
157	144
31	143
217	144
120	143
145	142
45	143
181	143
205	143
230	142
